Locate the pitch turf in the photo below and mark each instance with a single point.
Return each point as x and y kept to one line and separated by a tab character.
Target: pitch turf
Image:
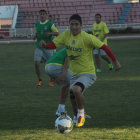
28	113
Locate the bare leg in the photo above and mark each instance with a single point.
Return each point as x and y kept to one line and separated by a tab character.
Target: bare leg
97	61
64	93
79	98
37	69
63	96
74	106
77	91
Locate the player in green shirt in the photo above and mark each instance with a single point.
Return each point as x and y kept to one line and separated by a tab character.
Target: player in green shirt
79	47
57	68
100	30
44	30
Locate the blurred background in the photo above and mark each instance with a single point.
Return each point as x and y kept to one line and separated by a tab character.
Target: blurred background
17	17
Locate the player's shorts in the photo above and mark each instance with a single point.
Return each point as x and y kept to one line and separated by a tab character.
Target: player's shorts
55	71
86	79
43	55
99	51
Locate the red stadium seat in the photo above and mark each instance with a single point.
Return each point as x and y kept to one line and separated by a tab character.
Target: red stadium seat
62	9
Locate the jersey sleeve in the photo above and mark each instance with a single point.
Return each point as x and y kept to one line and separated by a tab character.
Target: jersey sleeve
106	30
53	28
59	41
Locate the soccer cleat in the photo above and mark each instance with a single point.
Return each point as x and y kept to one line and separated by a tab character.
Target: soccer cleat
51	84
58	113
39	84
80	121
110	66
98	70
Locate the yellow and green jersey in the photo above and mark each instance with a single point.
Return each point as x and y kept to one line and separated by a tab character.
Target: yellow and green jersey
79	50
99	30
58	58
41	29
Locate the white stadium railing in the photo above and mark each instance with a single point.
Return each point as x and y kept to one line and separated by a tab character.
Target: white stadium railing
29	32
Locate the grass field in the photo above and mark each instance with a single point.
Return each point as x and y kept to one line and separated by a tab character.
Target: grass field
28	113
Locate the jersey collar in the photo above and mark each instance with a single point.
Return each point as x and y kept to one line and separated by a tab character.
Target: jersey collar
44	22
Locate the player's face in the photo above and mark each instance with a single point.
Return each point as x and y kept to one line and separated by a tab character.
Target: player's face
43	16
98	19
75	27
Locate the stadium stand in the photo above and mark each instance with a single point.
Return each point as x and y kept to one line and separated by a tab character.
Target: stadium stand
61	10
124	13
134	14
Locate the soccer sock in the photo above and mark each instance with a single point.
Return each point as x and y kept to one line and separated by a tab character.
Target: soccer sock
80	113
61	108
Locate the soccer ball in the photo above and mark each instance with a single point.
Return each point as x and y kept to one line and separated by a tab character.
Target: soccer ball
64	124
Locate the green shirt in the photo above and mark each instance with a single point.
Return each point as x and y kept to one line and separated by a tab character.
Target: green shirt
41	29
58	58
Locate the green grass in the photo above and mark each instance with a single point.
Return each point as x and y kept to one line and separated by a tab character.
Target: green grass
28	113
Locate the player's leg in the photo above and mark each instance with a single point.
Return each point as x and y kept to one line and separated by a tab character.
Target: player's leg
106	58
63	95
47	54
97	60
64	92
54	71
78	85
37	59
74	106
79	98
51	71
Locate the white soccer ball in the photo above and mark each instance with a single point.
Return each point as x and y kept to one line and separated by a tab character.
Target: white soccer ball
64	124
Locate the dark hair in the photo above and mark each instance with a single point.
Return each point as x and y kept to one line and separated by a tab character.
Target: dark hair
98	15
42	10
76	17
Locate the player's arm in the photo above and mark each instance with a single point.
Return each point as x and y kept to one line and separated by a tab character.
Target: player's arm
100	45
50	45
53	33
106	32
117	65
61	78
35	36
105	35
57	42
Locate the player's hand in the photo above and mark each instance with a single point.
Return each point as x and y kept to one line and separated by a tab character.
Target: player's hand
117	65
42	43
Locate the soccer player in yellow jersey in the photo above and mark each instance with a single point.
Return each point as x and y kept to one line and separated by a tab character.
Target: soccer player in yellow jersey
100	30
79	47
